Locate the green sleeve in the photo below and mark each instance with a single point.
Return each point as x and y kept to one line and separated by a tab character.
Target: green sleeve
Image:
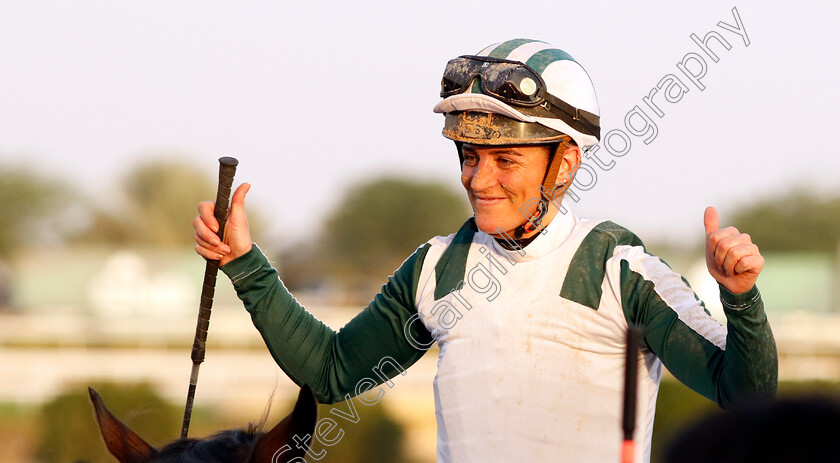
747	366
334	364
750	347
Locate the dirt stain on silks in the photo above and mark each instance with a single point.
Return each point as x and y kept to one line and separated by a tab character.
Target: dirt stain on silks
528	338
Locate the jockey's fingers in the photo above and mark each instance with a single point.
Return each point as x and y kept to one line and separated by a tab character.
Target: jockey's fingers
219	248
729	242
205	233
206	210
207	253
737	259
751	262
713	239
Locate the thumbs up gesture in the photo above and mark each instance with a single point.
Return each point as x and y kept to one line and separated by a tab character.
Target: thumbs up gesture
731	257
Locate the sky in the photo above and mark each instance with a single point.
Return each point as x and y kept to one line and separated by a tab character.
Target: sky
313	97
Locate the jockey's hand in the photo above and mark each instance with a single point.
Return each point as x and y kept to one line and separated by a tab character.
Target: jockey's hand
731	257
237	236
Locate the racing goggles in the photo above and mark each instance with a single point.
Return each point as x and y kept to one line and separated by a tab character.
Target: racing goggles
516	84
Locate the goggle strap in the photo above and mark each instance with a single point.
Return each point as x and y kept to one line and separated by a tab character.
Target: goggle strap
590	122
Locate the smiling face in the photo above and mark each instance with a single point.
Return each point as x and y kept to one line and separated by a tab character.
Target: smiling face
501	179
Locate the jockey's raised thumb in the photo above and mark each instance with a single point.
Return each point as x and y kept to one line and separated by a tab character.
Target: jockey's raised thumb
237	233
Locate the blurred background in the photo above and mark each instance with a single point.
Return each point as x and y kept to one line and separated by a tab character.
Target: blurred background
112	116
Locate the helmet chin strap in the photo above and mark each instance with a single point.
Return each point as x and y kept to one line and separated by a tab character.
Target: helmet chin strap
533	223
548	185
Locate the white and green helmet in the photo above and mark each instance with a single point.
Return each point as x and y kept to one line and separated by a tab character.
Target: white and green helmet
549	96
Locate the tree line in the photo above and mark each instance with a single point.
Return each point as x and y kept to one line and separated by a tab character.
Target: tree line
373	228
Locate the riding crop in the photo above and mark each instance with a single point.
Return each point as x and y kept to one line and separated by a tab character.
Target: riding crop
631	365
227	169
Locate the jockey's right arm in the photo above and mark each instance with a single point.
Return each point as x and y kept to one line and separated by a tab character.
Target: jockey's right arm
337	365
334	365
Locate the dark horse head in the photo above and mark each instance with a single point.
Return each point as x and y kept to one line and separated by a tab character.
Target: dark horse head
277	445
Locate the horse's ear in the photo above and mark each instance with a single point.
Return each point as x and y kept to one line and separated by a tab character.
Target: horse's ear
279	445
121	441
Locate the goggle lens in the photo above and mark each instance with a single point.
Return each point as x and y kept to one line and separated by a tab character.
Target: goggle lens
517	85
452	85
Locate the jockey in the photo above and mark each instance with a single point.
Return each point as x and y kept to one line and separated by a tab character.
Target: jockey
528	303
